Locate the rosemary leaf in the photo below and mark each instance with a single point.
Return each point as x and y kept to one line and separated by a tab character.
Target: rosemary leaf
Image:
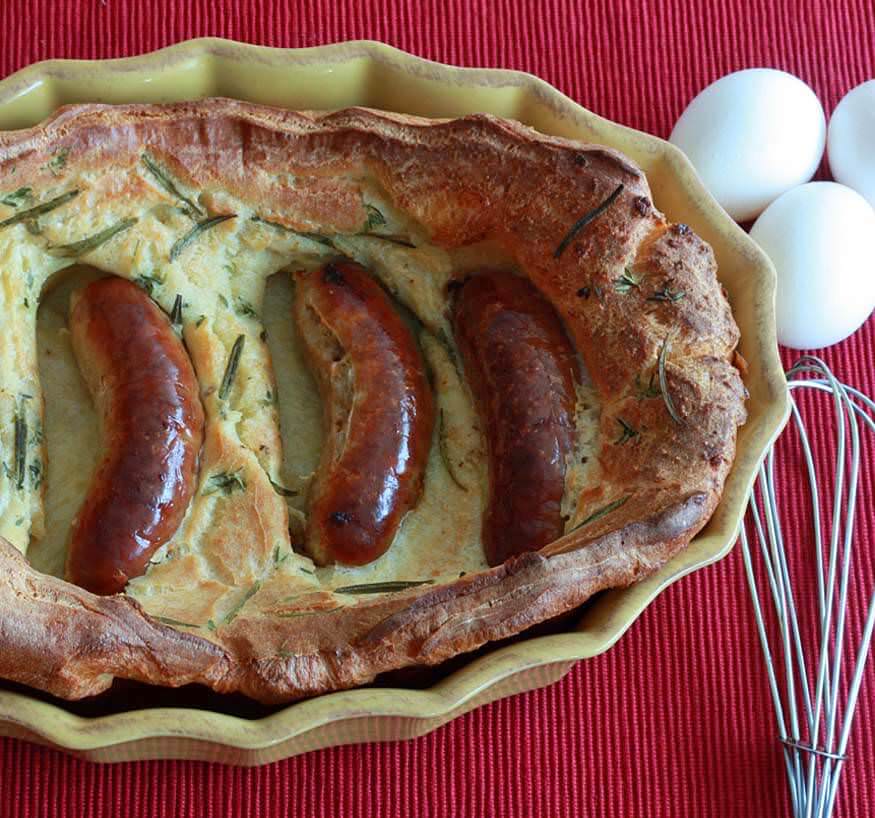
58	162
202	226
244	309
663	382
176	312
282	490
148	282
231	368
586	219
382	587
280	559
20	450
35	470
40	209
599	513
317	237
226	482
86	245
164	181
667	294
232	614
18	197
627	434
391	239
628	281
296	614
649	391
445	453
176	623
375	218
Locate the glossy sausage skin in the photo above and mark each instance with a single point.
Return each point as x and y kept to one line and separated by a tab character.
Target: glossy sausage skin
521	368
143	385
378	413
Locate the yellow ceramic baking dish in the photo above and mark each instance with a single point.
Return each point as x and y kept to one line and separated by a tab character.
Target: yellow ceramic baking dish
375	75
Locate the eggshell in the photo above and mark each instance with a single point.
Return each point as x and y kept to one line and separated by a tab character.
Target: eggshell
821	239
751	136
851	140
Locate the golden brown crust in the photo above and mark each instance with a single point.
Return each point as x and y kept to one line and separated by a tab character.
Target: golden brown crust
665	324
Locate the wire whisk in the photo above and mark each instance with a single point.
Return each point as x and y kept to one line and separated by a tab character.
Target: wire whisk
813	722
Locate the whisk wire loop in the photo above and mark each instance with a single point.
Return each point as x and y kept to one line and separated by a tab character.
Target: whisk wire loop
814	741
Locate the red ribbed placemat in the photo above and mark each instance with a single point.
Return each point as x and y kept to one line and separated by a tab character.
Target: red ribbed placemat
673	721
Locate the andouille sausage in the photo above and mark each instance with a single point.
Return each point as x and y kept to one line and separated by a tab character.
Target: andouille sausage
521	368
146	394
378	413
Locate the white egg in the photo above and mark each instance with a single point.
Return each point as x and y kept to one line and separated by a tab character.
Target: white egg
821	239
751	136
851	140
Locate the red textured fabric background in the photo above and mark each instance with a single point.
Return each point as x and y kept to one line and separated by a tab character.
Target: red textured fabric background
673	721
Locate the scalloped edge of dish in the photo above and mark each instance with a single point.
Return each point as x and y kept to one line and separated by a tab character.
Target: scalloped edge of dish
358	73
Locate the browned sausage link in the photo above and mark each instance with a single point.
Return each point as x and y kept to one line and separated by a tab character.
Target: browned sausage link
146	394
379	413
521	367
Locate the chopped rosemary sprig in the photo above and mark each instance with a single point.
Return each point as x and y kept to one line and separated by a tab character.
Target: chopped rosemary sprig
588	290
599	513
40	209
649	391
202	226
382	587
282	490
58	162
585	219
232	614
226	482
18	197
628	281
375	218
231	368
295	614
278	558
317	237
391	239
175	623
667	294
445	453
663	382
89	243
164	181
20	449
628	432
148	282
176	312
244	309
36	435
